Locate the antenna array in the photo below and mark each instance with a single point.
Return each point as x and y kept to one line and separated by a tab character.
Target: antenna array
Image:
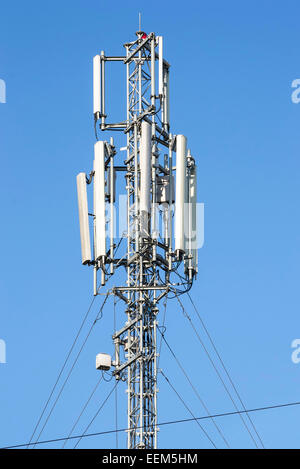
160	258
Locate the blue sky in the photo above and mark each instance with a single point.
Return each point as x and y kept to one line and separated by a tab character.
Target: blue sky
232	66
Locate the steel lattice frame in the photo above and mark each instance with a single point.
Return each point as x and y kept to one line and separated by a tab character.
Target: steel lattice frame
141	338
147	255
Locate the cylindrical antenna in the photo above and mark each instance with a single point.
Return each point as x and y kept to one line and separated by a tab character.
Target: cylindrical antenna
96	86
160	66
102	111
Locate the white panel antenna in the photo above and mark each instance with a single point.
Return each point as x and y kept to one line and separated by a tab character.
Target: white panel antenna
99	200
96	85
112	197
180	197
193	214
190	264
83	218
145	167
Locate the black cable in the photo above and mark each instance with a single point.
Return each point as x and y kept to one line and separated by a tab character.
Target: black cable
95	128
83	409
97	413
62	369
224	368
193	387
160	424
99	316
216	370
104	373
221	361
185	405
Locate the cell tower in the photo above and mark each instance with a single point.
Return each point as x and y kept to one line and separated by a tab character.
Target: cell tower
161	254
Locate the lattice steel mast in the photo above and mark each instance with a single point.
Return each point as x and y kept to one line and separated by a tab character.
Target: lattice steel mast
150	259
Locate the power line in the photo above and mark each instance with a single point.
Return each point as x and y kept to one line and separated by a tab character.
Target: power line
189	410
99	316
224	368
193	387
216	370
160	424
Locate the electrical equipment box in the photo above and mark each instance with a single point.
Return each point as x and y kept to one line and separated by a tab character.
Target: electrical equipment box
103	361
